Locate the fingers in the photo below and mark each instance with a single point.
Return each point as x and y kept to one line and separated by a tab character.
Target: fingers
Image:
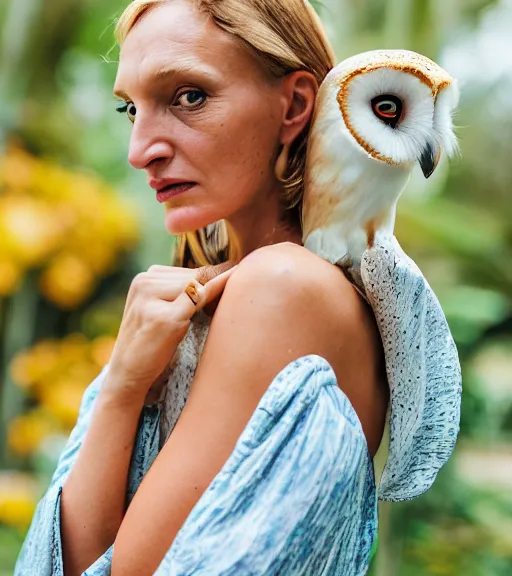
207	273
150	285
190	301
189	290
195	296
203	274
196	293
157	315
215	287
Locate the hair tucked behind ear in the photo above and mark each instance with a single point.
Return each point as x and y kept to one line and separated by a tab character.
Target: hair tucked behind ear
286	35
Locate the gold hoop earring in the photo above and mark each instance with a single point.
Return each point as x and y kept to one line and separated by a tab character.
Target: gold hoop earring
282	163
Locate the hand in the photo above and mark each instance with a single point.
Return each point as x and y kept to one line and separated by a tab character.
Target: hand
155	320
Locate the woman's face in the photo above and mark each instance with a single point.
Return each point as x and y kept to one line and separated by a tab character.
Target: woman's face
206	119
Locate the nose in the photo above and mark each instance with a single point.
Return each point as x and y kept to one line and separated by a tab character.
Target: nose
148	145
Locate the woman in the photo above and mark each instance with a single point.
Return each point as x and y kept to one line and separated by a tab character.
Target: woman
268	469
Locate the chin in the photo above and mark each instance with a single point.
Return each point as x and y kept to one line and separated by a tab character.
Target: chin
179	220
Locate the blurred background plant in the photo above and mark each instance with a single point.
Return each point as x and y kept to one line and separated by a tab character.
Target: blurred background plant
76	225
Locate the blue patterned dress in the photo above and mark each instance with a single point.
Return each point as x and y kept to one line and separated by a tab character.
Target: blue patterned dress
296	497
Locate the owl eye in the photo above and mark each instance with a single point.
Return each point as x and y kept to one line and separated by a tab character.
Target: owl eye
388	108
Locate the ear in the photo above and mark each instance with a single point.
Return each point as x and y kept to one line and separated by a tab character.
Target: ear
299	95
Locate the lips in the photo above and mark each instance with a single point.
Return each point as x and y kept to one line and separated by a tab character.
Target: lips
166	189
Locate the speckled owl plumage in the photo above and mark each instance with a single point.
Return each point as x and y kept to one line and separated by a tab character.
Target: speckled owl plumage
423	371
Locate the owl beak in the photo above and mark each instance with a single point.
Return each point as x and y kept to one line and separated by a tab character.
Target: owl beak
429	159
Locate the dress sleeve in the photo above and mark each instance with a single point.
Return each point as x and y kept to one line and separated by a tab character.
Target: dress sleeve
297	495
41	553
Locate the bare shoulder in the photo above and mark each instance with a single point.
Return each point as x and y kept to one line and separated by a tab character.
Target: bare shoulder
300	284
284	302
285	260
292	274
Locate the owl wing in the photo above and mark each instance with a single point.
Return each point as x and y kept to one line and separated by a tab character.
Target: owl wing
423	371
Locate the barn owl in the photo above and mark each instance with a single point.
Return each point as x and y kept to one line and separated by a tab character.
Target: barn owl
377	115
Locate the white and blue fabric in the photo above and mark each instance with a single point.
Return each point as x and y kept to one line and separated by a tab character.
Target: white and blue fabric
297	496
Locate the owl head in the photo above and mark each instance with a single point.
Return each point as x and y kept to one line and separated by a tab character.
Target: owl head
396	106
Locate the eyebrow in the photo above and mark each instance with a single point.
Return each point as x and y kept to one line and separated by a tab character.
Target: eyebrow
166	72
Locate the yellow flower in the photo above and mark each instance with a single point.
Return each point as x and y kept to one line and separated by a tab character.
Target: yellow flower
73	365
74	358
18	498
101	350
26	432
56	373
17	169
17	510
121	220
54	184
81	373
72	221
20	370
99	256
28	228
30	367
73	348
62	400
68	281
10	278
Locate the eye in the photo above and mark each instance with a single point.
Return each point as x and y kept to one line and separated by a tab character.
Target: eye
191	99
388	108
129	109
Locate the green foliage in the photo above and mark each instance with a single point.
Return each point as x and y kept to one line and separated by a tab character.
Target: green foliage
10	543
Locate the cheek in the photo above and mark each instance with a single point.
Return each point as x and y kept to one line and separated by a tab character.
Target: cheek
234	158
244	150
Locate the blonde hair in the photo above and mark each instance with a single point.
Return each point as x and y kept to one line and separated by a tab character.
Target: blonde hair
286	35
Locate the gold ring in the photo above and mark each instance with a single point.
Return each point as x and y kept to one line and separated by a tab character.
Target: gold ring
192	293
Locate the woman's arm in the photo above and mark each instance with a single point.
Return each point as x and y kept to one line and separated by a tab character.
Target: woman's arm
77	520
281	304
93	499
155	319
41	552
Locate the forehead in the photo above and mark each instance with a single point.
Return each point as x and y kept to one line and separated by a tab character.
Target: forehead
176	36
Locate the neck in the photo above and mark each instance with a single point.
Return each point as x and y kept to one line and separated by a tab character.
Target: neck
262	224
259	225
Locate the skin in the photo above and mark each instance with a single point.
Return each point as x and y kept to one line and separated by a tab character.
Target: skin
280	303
